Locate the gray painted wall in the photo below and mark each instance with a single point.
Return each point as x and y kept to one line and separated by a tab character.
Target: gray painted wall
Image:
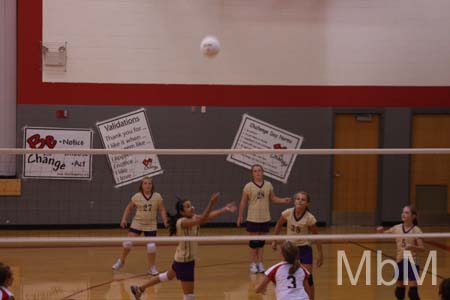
395	178
195	177
8	86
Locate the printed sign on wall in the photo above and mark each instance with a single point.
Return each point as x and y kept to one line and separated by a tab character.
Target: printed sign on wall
57	166
257	134
129	131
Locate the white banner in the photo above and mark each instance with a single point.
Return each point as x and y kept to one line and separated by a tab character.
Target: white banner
257	134
57	166
129	131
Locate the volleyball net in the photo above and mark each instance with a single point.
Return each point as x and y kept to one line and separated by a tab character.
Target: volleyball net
346	186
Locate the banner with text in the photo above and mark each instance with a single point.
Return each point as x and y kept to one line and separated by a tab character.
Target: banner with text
257	134
57	166
129	131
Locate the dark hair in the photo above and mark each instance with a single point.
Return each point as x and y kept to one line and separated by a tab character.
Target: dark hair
142	181
290	254
5	274
413	211
444	289
179	207
254	166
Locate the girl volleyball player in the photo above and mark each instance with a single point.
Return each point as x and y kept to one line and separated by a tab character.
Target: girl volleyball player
409	226
185	223
301	221
289	277
147	203
257	193
6	279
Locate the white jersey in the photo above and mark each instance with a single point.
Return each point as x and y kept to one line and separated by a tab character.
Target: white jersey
288	287
5	294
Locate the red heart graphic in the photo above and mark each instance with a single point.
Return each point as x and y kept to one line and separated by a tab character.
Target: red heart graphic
278	146
147	162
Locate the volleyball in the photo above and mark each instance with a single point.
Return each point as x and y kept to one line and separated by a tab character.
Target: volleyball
210	46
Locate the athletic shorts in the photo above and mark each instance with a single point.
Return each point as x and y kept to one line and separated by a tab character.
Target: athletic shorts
184	270
146	233
305	254
257	227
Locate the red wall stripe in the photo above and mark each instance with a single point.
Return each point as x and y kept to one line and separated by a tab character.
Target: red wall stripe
31	89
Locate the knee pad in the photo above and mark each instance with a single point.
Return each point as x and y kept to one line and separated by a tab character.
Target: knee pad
413	294
127	244
253	244
400	292
310	280
163	277
188	297
151	248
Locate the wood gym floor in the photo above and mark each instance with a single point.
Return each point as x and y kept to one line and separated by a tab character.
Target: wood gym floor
84	273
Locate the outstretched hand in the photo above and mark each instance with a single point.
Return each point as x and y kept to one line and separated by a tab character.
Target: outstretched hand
231	207
214	198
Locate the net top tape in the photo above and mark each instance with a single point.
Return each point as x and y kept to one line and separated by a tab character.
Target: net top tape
79	241
362	151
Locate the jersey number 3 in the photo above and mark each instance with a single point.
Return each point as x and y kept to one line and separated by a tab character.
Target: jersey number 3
293	284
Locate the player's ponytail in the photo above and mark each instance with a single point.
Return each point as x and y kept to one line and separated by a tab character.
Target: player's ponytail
179	207
290	254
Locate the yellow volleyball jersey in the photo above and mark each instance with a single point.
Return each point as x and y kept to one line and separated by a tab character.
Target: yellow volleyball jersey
146	211
186	251
258	201
402	242
298	224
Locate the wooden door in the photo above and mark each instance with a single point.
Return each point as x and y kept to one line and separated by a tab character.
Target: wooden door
430	131
355	181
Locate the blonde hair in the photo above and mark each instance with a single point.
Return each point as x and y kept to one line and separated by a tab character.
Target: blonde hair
142	181
290	254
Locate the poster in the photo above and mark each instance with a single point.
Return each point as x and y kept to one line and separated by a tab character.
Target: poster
129	131
257	134
57	166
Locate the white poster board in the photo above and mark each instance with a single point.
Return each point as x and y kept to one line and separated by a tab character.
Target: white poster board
257	134
129	131
57	166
